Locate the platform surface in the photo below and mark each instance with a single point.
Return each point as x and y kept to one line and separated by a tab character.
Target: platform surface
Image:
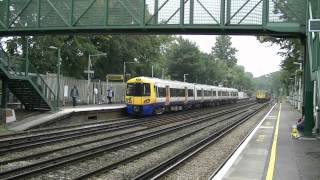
293	159
64	111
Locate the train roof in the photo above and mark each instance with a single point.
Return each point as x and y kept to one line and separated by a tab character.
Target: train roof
157	80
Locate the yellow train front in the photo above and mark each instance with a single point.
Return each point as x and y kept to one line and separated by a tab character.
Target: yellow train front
262	96
140	96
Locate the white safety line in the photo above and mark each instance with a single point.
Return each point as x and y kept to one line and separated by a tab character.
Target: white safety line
236	154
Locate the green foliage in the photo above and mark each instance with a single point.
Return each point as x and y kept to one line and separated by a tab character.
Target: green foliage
224	51
291	50
170	56
276	83
184	58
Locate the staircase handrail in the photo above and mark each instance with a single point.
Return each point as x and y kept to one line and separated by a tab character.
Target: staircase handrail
47	90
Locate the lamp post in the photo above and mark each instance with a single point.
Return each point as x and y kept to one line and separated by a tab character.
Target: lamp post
124	74
299	91
89	72
58	72
124	68
152	71
185	77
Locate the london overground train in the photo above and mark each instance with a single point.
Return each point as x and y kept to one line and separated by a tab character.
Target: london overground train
147	96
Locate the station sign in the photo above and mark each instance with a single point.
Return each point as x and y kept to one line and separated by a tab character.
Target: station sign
114	77
314	25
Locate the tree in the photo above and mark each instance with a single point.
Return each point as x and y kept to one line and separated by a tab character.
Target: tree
224	51
184	58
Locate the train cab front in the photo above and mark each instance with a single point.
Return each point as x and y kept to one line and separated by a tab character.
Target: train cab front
138	99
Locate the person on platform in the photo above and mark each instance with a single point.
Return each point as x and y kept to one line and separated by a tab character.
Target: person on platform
74	93
110	95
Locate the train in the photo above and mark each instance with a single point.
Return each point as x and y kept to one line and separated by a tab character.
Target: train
147	96
262	96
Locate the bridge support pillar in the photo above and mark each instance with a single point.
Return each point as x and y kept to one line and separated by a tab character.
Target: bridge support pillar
308	93
4	94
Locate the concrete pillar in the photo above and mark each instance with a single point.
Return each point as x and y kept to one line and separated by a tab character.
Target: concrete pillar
2	117
4	95
308	94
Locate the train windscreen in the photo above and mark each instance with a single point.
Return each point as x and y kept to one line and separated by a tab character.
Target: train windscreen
138	89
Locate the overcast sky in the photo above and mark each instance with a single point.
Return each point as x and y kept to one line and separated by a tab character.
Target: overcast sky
257	58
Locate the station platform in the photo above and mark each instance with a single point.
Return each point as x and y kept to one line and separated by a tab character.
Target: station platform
64	112
269	152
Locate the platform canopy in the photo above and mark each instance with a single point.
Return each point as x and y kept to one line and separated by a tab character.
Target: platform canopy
273	17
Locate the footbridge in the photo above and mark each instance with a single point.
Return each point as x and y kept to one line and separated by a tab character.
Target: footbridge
282	18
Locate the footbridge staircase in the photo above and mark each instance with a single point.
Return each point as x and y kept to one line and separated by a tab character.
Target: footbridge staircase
23	80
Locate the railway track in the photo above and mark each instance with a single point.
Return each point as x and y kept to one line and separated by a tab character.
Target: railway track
8	145
50	164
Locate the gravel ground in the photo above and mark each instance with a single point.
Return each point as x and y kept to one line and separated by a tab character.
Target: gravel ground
132	169
205	163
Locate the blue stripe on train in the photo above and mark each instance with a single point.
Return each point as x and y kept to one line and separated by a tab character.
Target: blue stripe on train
141	110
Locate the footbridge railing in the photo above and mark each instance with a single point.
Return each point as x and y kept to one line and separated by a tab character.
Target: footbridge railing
285	17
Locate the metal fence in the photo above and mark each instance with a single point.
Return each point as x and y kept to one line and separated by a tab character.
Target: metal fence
85	91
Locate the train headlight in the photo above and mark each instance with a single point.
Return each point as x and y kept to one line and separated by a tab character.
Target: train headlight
146	101
129	100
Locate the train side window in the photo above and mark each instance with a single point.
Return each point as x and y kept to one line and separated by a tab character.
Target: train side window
199	93
214	93
161	92
190	92
175	92
219	93
172	92
206	93
146	89
182	93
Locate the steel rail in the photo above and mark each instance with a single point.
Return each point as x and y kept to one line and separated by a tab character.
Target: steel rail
173	162
37	155
141	154
41	130
82	133
44	166
31	133
14	142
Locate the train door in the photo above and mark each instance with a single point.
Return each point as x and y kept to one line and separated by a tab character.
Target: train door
167	95
186	95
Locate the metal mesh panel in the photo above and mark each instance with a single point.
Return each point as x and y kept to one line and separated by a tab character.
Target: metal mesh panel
55	13
51	14
21	13
287	11
187	12
2	14
150	10
125	12
207	12
170	12
246	12
89	12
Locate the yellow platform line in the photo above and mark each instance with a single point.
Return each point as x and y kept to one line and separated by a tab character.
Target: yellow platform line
272	159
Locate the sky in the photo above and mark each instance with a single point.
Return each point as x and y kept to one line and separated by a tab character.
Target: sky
257	58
